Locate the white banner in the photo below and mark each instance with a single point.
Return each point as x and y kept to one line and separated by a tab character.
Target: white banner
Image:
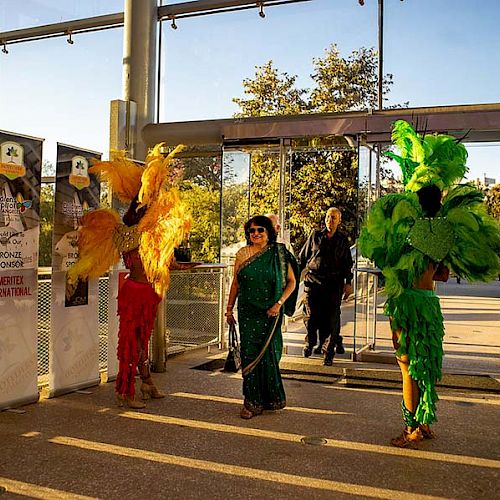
74	341
20	176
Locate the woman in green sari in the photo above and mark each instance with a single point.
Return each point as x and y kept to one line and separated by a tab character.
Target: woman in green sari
265	283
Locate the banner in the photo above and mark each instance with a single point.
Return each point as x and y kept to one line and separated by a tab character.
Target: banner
20	179
74	341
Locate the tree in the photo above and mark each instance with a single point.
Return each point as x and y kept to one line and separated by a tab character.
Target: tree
273	94
346	84
319	177
46	225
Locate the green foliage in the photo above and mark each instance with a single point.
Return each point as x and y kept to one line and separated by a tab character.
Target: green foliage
204	206
346	84
46	225
321	177
274	94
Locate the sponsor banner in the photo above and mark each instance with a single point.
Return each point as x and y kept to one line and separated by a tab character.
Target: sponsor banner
74	343
20	178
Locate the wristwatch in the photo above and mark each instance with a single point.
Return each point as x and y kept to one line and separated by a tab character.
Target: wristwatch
280	302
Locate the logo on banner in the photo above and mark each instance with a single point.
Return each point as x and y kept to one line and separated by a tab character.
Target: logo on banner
12	160
79	176
22	204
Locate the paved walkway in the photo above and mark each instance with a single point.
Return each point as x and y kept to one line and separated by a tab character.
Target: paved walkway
193	445
472	339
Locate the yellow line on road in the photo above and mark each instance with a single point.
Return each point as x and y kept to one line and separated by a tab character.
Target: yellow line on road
35	491
237	470
489	400
220	399
333	443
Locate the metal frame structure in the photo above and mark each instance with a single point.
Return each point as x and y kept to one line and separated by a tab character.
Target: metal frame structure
478	123
164	13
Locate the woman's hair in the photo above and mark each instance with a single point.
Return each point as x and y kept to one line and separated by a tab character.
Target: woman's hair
132	215
265	222
430	199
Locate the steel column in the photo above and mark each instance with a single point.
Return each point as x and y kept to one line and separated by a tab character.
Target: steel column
139	65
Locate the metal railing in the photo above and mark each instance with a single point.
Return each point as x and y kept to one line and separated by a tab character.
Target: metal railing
193	308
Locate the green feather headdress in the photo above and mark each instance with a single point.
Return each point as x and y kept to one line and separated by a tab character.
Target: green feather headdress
431	159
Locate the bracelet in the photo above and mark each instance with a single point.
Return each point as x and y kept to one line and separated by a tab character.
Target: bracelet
280	302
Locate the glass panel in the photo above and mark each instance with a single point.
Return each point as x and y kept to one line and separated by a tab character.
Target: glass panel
201	189
365	279
235	207
319	177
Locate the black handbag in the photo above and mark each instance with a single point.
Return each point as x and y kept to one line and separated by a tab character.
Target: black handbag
233	360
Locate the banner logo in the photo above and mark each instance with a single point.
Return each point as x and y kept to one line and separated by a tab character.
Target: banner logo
22	204
12	160
79	176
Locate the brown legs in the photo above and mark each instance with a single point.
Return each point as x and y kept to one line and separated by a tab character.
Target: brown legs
148	388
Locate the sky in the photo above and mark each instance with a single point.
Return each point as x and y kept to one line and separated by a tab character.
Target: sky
440	52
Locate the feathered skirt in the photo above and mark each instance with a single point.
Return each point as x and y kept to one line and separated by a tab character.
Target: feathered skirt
418	314
137	308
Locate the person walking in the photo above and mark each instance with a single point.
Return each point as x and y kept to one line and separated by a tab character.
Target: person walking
265	284
326	258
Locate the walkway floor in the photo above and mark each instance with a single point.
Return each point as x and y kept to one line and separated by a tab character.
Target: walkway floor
193	445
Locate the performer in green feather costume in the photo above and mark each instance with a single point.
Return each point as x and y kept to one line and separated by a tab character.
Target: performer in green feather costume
435	224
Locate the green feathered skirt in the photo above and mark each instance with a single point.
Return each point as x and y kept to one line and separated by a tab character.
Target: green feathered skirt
418	314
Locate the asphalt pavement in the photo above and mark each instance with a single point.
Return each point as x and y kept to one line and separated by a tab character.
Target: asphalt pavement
332	440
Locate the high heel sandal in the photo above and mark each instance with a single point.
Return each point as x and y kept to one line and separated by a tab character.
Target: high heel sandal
149	390
408	439
132	403
425	429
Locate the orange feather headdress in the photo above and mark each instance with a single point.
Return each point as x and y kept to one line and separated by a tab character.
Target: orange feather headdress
163	227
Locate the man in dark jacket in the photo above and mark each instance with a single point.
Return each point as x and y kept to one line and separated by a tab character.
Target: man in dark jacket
326	257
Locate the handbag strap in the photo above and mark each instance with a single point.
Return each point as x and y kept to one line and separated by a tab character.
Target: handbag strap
233	336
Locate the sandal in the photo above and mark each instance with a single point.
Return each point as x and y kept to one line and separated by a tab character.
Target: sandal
246	414
408	439
425	429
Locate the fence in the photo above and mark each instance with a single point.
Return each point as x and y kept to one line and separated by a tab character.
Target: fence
193	308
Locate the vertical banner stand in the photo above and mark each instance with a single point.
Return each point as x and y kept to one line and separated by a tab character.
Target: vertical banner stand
74	340
20	179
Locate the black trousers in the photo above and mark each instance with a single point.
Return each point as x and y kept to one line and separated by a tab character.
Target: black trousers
322	318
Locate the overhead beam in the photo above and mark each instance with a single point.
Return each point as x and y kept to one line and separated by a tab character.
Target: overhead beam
480	122
180	10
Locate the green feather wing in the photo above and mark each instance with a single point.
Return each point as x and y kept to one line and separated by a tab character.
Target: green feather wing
475	254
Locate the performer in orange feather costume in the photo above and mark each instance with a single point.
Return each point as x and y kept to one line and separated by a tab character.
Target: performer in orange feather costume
155	223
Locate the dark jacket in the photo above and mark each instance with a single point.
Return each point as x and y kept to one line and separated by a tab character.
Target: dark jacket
327	261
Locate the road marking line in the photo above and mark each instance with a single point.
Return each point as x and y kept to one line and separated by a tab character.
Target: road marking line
333	443
238	470
491	401
35	491
221	399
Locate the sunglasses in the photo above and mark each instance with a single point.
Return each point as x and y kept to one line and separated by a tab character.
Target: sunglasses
256	230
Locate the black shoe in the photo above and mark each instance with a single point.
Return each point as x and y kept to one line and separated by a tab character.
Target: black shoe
328	360
339	349
307	352
318	350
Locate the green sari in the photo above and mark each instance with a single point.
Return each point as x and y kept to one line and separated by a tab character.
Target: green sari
261	281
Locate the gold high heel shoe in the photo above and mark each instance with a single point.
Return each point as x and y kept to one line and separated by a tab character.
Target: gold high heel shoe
149	390
132	403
